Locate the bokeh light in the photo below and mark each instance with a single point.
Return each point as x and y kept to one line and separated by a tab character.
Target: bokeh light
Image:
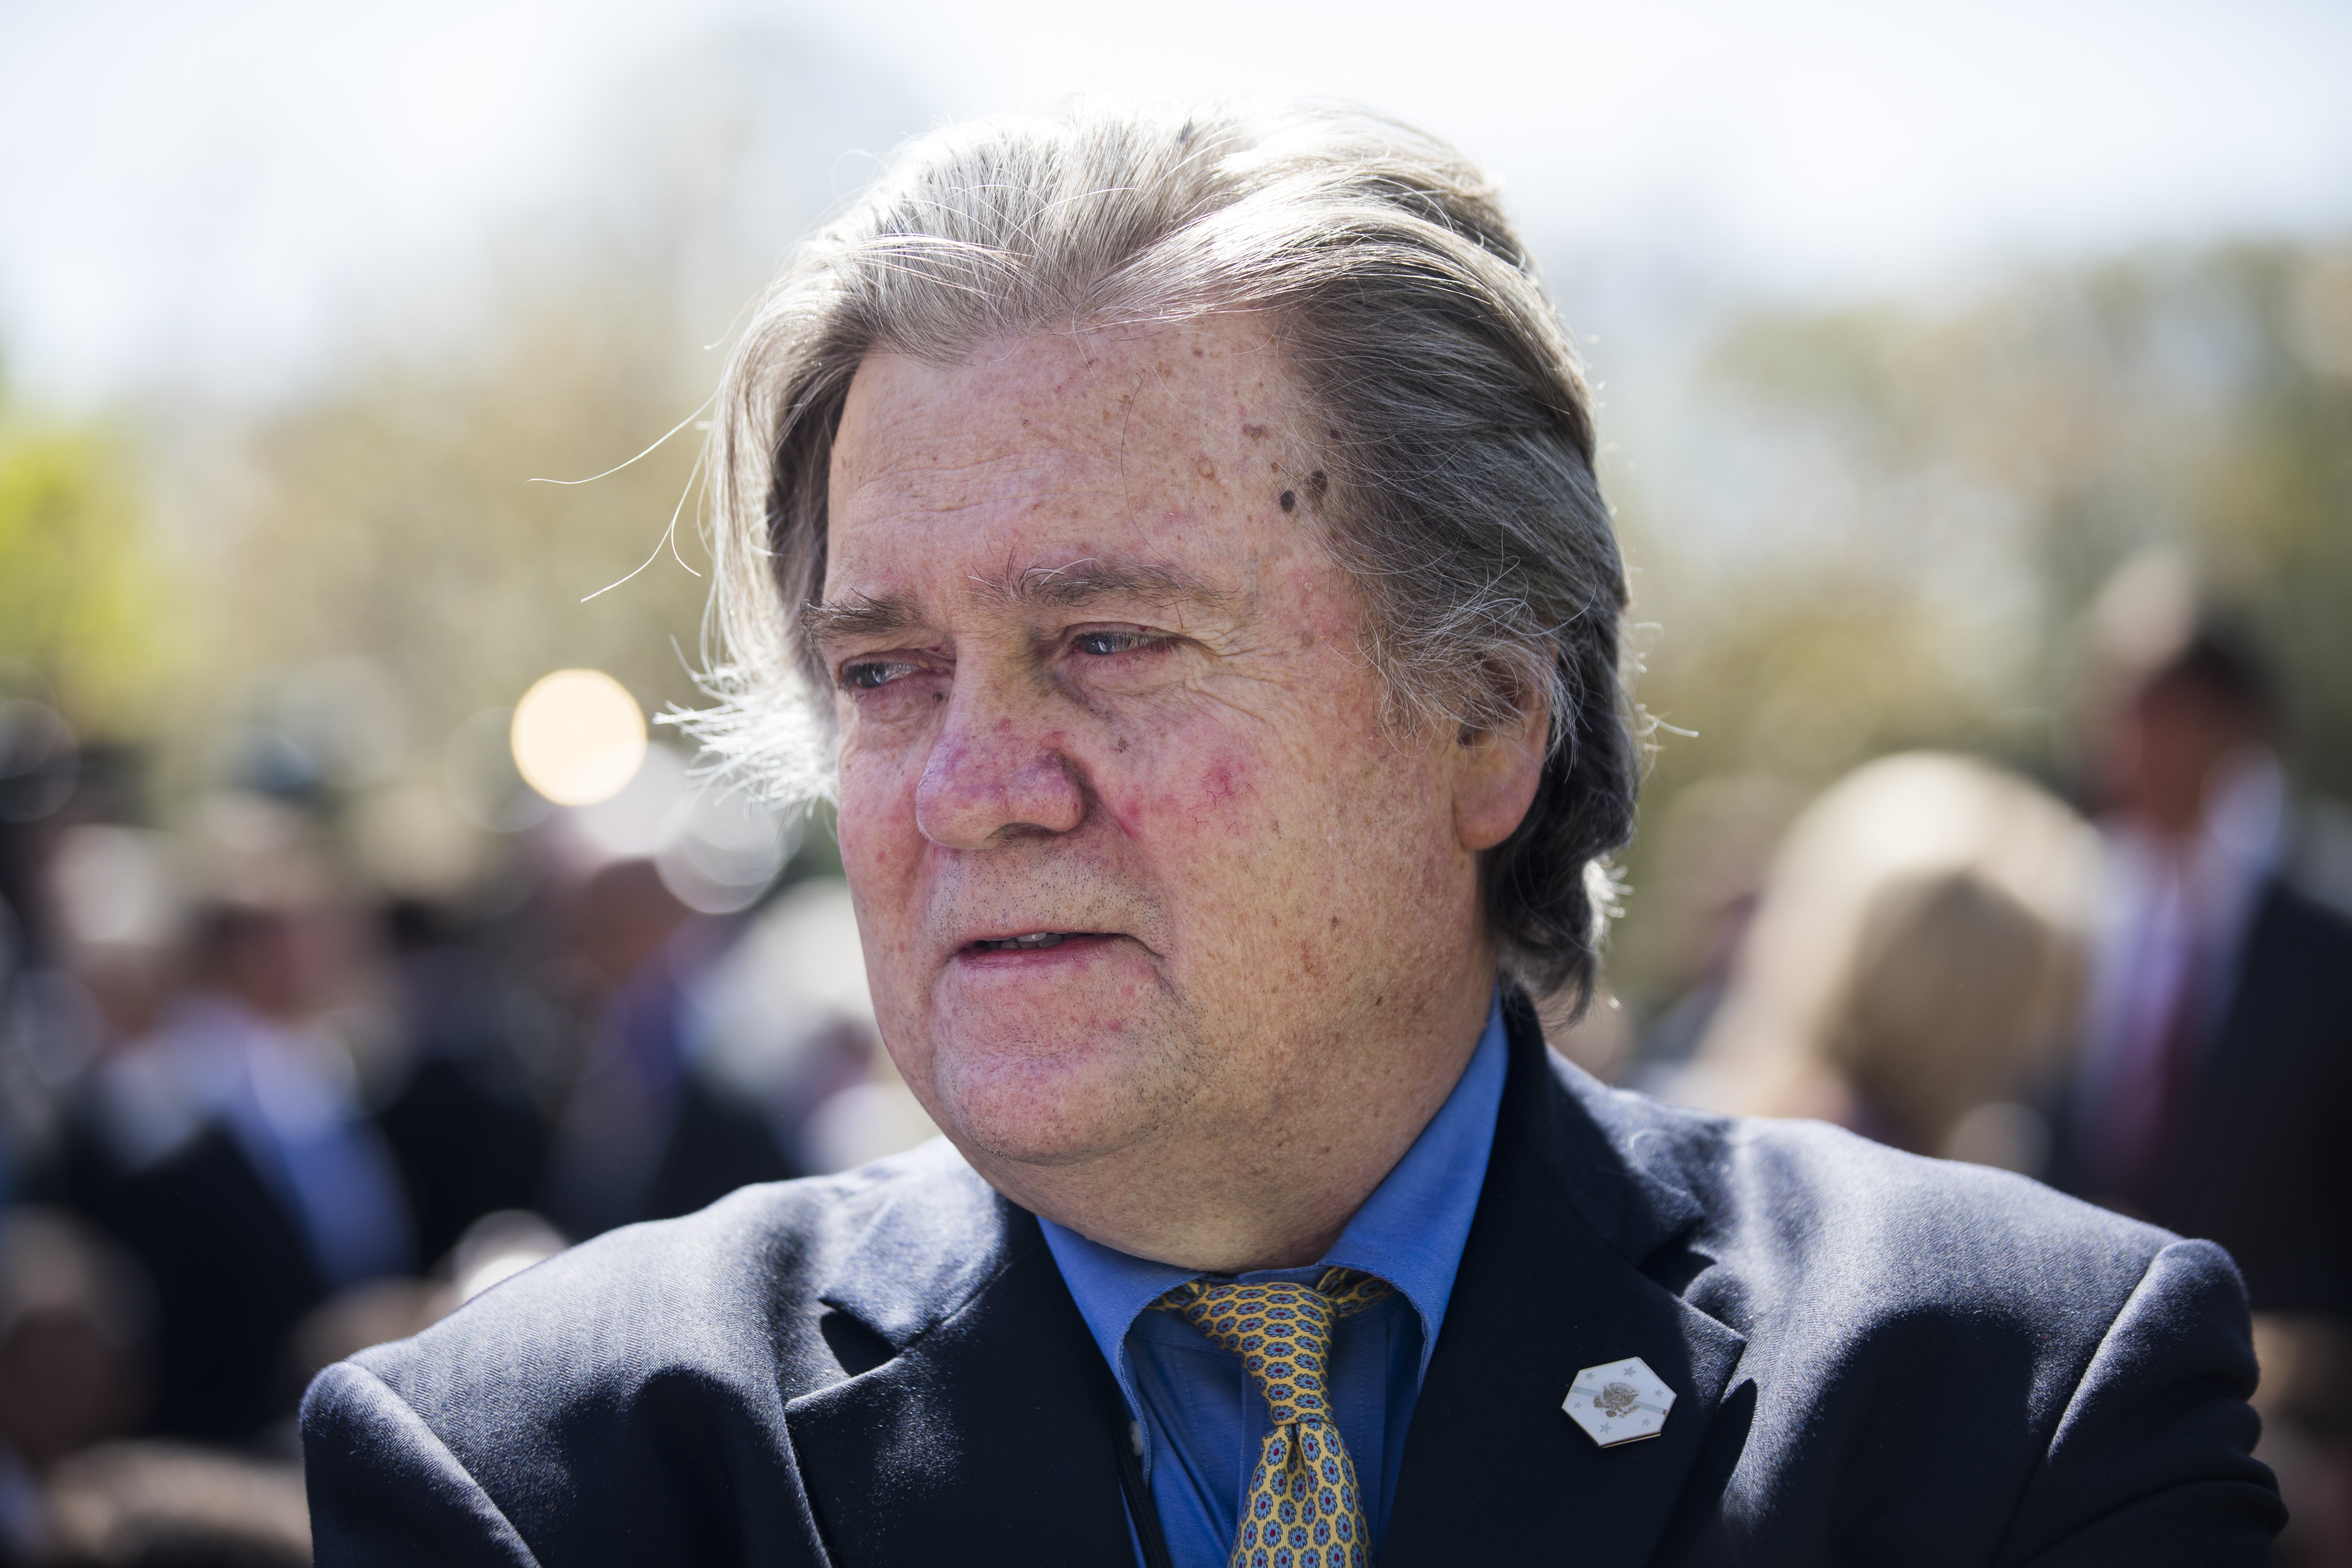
578	737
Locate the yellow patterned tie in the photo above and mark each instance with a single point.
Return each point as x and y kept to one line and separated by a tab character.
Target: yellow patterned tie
1304	1508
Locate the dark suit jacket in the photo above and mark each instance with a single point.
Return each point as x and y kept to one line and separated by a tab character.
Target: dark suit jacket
1878	1359
233	1278
2262	1163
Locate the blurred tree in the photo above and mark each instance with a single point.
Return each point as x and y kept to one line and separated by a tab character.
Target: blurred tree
1903	512
80	599
396	520
390	522
2028	442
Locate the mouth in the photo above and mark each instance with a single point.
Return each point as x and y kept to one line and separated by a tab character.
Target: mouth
1029	942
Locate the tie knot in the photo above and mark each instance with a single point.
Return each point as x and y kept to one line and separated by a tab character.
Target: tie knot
1281	1331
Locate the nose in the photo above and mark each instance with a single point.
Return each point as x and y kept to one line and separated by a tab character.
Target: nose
991	778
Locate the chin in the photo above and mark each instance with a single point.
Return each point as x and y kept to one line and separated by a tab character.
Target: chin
1054	1097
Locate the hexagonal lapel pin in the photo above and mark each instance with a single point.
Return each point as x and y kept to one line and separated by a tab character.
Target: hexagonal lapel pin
1621	1402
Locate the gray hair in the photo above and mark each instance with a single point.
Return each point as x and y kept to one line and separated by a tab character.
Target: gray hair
1458	480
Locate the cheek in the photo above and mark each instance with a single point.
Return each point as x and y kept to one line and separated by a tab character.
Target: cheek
1182	795
881	846
864	833
1218	796
1263	784
1227	826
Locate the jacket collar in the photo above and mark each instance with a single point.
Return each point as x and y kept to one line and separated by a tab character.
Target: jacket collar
991	1425
1575	1259
938	1236
986	1438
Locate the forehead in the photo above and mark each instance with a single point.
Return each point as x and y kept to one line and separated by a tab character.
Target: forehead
1035	450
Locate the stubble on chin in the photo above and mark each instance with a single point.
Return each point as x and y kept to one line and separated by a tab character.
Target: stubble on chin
1047	1104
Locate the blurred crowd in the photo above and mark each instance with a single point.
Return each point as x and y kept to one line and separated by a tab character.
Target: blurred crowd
256	1114
2141	994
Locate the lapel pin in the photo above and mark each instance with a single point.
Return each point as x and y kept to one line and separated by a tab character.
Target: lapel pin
1620	1401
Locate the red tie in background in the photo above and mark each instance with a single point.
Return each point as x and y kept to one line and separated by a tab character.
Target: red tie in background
2143	1134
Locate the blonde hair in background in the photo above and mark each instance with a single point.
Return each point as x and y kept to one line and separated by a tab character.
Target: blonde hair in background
1916	962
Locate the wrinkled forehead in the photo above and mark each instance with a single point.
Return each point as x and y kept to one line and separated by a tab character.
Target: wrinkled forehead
1065	402
1034	452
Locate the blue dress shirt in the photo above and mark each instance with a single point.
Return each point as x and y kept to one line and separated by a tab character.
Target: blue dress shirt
1202	1425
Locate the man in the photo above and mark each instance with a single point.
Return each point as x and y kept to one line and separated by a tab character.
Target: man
2217	1065
252	1185
1193	521
2217	1060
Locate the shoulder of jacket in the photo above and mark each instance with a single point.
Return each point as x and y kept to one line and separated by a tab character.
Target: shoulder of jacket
1802	1212
729	1295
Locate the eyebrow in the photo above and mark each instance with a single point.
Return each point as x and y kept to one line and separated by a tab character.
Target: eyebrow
1083	581
861	615
1074	586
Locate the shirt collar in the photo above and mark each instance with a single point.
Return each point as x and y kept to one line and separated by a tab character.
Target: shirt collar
1410	1232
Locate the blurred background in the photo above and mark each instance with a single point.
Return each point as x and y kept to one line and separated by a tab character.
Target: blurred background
1977	394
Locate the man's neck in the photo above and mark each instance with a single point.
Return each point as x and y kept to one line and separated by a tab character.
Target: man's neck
1274	1195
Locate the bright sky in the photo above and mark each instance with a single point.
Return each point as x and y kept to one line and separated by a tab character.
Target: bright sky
207	194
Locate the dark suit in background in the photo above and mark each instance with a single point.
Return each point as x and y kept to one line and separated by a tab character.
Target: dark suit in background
2259	1160
2263	1164
233	1276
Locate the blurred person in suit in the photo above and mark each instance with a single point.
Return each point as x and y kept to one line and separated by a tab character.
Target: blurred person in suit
462	1122
1914	964
252	1184
647	1134
2215	1075
1171	536
112	937
2216	1067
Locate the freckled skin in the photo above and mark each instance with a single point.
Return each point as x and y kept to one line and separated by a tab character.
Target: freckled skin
1287	969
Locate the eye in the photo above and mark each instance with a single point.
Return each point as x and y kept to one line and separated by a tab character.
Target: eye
873	674
1103	645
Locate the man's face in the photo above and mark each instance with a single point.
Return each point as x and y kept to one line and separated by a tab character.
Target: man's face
2165	749
1134	856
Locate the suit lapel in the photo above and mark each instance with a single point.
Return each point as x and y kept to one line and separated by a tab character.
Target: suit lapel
992	1425
987	1437
1549	1284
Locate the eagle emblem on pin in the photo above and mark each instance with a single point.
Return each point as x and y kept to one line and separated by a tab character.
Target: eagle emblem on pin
1618	1402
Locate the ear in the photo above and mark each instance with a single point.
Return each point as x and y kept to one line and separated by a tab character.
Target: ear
1496	773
